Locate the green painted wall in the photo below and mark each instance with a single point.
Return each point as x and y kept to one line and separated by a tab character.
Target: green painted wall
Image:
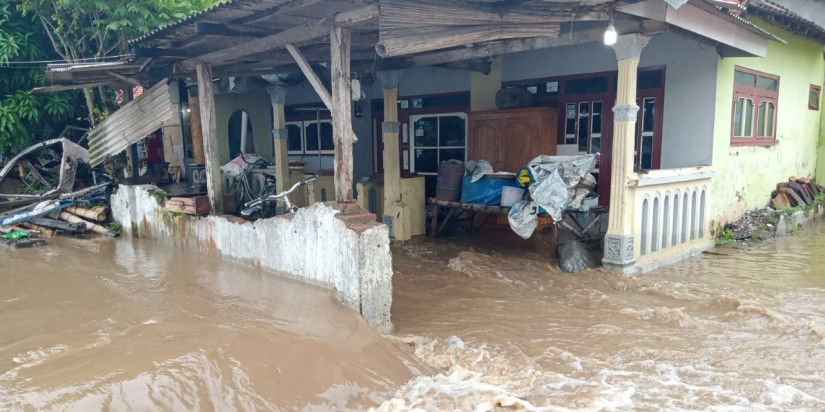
258	107
745	176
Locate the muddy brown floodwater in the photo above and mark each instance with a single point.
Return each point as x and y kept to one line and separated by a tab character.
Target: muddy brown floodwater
101	324
480	325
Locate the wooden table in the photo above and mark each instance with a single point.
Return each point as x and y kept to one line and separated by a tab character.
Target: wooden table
571	218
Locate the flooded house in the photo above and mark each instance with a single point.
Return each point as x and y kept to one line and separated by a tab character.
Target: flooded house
693	108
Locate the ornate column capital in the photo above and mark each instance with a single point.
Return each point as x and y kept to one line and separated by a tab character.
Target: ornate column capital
390	127
277	94
280	134
629	46
626	113
390	78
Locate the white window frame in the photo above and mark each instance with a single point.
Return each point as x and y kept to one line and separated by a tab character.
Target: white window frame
438	147
303	124
301	128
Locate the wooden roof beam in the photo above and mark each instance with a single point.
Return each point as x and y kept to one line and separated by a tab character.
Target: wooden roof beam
228	30
514	46
298	34
313	79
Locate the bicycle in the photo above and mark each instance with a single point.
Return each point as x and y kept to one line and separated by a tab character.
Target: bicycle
261	203
241	188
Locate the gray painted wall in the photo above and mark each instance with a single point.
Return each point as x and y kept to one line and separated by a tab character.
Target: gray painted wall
690	87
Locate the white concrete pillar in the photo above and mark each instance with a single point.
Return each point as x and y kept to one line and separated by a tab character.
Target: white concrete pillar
619	241
279	136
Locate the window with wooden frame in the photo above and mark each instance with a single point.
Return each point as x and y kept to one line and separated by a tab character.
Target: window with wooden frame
302	137
755	96
814	92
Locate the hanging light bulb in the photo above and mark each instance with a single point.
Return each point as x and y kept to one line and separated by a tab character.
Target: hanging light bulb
610	34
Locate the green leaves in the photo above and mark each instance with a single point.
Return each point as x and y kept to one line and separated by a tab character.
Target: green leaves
57	107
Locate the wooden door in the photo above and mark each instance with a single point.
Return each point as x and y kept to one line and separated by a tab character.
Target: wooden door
519	137
483	140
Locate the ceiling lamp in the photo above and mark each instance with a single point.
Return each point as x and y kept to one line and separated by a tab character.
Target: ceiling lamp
610	34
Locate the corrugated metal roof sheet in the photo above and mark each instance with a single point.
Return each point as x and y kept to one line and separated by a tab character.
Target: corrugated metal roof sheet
131	123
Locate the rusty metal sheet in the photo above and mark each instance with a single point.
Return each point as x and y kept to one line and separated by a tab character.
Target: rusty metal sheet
131	123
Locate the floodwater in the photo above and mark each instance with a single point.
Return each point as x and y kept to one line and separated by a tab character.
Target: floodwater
126	325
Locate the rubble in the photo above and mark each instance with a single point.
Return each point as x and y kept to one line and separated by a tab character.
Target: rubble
49	189
763	225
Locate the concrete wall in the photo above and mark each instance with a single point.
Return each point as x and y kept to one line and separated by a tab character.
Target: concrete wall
259	109
746	175
690	85
342	249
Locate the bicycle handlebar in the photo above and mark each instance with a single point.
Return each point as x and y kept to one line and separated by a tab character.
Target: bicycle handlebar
255	204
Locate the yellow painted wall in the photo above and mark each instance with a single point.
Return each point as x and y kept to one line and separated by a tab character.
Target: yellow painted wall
258	107
745	176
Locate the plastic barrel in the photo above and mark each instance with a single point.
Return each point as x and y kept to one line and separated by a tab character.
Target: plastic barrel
448	185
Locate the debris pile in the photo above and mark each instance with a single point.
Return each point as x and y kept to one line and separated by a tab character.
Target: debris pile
795	192
49	189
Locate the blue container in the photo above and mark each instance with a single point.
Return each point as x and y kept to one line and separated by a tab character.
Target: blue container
485	191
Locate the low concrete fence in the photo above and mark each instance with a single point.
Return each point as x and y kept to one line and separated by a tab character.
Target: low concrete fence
340	247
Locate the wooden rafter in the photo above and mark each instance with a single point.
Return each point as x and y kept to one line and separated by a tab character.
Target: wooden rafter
295	35
313	79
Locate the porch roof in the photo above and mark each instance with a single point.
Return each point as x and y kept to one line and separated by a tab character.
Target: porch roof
249	37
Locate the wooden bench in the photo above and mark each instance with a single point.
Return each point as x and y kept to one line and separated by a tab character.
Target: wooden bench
571	218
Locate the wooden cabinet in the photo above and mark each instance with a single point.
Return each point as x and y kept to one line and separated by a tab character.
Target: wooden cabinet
508	139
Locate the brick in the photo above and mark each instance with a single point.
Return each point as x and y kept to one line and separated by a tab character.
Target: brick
357	217
792	178
780	201
781	185
793	198
803	180
796	187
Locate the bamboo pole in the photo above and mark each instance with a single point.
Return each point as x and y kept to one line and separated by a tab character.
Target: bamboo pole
99	214
43	230
68	217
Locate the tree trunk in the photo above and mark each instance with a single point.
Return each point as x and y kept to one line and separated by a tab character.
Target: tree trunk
90	104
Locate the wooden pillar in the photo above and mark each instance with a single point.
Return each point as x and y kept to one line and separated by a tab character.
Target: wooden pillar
214	182
392	165
279	136
343	135
619	240
197	130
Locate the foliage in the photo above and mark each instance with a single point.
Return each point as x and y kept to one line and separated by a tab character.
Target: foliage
725	237
116	227
160	196
796	230
24	117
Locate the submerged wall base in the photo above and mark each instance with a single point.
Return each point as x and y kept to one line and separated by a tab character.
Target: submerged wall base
340	247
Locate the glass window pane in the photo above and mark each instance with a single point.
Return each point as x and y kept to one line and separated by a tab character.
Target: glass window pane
748	118
813	98
450	154
649	118
597	118
760	120
451	131
326	137
595	145
293	140
584	86
767	83
311	131
769	128
426	160
570	124
647	152
737	117
425	132
584	125
743	78
649	79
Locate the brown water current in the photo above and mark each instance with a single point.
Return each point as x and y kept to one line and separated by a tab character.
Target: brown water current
102	324
506	330
481	324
